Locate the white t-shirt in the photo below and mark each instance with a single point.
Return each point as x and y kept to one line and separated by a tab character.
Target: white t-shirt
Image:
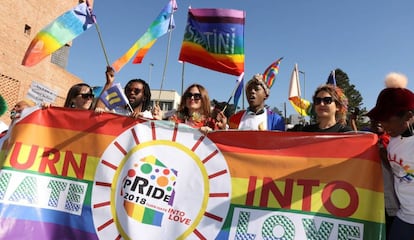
251	121
401	157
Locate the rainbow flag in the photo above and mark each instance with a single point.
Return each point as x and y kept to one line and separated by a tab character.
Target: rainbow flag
214	39
301	106
160	26
58	33
270	73
142	52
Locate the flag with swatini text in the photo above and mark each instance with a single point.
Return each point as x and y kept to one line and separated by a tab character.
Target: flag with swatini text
270	73
301	106
159	27
58	33
116	177
114	97
214	39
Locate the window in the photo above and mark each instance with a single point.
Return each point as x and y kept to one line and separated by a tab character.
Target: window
27	30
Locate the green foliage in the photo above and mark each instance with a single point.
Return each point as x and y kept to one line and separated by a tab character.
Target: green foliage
354	96
3	105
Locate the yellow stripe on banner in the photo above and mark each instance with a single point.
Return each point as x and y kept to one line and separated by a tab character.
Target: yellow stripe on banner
338	199
79	142
244	165
48	160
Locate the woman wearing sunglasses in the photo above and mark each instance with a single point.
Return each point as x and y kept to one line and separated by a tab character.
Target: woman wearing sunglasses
330	105
80	96
195	110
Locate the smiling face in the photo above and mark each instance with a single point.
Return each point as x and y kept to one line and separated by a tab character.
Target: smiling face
83	100
135	94
193	100
325	105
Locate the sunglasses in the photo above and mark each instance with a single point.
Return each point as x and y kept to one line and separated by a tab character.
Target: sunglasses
87	95
134	90
325	100
197	96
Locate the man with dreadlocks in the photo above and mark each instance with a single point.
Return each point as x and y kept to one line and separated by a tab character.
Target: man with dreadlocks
138	94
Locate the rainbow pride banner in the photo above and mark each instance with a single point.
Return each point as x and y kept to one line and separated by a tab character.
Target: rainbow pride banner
73	174
214	39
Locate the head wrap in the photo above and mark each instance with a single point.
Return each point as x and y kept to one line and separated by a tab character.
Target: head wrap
258	80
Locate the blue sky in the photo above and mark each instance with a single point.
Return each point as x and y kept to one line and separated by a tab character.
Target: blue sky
366	39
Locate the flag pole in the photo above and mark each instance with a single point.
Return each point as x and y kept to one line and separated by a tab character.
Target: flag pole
299	93
99	33
182	77
239	80
166	54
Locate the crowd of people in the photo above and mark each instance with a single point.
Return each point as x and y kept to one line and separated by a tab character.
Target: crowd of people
392	119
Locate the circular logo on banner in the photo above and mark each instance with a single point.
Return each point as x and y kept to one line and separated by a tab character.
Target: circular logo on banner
158	180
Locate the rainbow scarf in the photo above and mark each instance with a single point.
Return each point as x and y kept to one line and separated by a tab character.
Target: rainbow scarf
214	39
55	35
270	73
160	26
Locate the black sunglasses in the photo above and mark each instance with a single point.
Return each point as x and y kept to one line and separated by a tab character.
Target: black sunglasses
135	90
325	100
87	95
197	96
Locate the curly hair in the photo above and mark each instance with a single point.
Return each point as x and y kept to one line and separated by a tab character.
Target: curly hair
340	99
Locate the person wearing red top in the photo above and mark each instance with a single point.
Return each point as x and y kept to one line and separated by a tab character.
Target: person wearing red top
195	110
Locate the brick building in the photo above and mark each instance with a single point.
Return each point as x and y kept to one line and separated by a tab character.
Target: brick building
20	21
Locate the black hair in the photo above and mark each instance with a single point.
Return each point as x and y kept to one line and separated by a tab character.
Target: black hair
146	103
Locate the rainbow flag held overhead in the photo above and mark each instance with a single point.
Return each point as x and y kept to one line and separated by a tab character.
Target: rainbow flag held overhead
214	39
160	26
270	73
58	33
142	52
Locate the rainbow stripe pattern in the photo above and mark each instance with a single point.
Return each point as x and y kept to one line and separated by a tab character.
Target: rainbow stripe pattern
214	39
61	31
160	26
285	174
143	214
270	73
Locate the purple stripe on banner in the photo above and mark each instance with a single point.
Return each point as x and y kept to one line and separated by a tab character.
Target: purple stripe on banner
26	229
83	222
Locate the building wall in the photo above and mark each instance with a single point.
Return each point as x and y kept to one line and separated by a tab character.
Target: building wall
15	78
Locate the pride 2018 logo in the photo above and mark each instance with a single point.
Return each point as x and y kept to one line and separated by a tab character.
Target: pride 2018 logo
148	190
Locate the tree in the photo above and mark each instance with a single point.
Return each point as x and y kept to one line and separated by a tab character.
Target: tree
354	96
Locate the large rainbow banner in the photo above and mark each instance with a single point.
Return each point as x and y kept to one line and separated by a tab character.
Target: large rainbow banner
214	39
71	174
